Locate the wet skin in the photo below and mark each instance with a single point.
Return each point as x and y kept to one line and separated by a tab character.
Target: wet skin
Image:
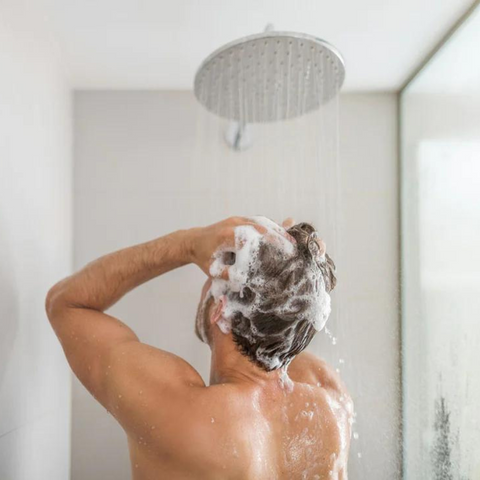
241	429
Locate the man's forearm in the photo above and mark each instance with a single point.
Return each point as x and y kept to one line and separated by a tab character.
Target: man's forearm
104	281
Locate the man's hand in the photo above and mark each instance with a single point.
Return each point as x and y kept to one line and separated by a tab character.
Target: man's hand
220	236
205	242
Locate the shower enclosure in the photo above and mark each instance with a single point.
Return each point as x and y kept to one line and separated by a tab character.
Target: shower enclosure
440	158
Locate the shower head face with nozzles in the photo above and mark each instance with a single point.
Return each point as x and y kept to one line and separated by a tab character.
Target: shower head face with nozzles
269	77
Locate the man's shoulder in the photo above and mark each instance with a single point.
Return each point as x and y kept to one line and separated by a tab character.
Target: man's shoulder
309	368
306	365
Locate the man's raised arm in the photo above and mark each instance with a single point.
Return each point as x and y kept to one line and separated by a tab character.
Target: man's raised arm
76	304
103	282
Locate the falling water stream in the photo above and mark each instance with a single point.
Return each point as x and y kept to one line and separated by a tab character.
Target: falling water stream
291	167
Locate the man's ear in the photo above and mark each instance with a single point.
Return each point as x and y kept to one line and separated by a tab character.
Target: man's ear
218	310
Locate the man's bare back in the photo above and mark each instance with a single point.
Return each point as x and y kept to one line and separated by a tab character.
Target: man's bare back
249	423
241	429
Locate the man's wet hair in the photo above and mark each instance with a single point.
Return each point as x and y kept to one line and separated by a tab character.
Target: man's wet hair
279	327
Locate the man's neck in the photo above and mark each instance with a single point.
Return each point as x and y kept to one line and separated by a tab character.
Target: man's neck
228	365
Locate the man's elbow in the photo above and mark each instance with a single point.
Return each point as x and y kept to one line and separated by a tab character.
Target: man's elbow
54	301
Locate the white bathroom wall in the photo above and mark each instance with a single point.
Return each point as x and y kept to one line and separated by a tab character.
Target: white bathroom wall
132	152
35	249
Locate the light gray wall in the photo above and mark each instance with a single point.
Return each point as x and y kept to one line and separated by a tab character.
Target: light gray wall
35	249
133	155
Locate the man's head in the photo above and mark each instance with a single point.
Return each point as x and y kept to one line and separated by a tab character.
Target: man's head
283	300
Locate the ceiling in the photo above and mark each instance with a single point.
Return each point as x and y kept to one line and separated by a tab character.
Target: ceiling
459	56
158	44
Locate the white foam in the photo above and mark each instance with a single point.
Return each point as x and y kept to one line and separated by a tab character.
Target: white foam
342	411
224	325
276	234
285	381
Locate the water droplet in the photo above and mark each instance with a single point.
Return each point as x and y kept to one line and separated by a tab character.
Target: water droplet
153	427
356	435
212	420
359	455
119	396
341	361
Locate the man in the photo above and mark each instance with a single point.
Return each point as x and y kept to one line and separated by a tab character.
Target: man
270	411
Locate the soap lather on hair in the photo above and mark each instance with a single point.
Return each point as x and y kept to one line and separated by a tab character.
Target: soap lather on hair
277	290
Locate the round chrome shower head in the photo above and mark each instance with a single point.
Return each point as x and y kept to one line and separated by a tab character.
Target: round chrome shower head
269	76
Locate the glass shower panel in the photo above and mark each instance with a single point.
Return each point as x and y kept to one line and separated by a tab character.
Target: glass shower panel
441	262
